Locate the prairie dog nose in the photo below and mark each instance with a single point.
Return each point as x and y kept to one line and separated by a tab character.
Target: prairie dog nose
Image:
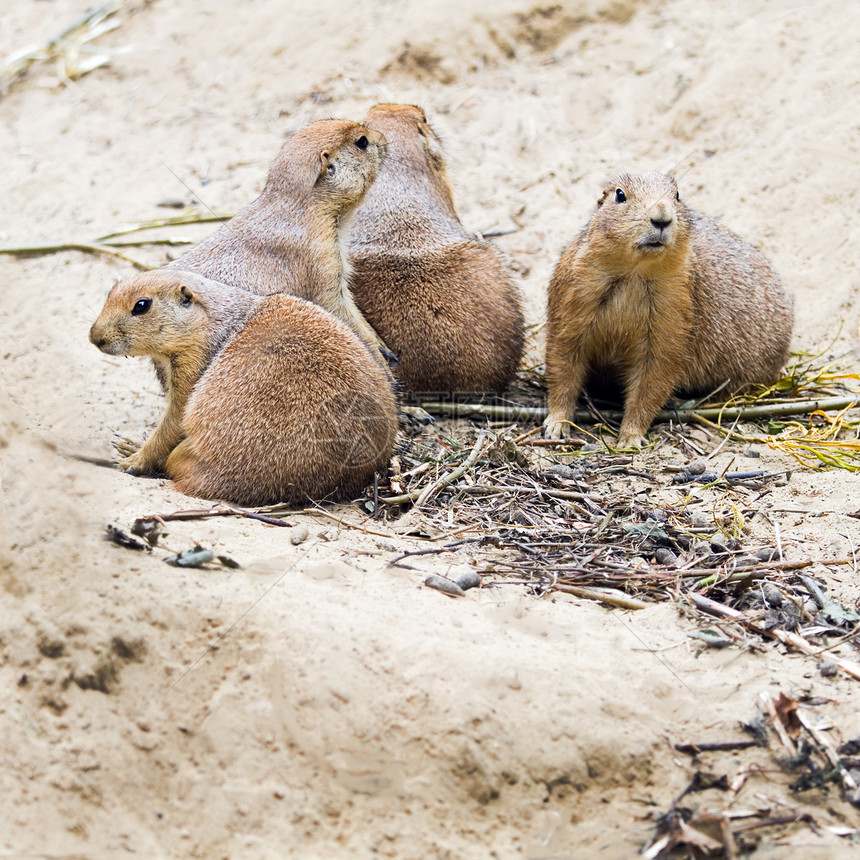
96	336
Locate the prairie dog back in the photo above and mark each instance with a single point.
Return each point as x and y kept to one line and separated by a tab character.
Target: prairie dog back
441	298
292	410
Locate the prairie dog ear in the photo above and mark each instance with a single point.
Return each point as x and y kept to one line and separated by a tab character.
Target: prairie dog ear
186	297
325	161
434	150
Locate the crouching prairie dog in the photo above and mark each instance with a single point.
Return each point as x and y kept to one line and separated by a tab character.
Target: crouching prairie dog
440	298
663	298
269	399
289	240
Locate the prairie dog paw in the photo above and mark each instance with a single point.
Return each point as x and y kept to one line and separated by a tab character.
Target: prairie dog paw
124	446
137	464
632	440
556	428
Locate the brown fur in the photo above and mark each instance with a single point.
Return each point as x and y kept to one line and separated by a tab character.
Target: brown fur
441	299
288	240
270	399
696	307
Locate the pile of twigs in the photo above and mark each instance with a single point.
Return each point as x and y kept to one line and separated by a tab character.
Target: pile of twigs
624	534
605	524
602	523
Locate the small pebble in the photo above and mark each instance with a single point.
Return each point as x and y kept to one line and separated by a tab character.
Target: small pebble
697	467
851	747
118	536
445	585
149	530
592	446
196	557
298	534
752	453
712	638
828	668
702	548
771	594
172	203
718	543
469	580
566	472
700	521
665	556
767	554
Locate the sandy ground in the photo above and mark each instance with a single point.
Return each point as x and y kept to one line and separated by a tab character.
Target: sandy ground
345	710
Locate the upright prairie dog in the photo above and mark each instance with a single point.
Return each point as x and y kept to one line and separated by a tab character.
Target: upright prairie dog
289	240
665	298
269	399
440	298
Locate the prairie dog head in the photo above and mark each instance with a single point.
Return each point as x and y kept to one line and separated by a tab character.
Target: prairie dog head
642	216
413	145
333	160
152	314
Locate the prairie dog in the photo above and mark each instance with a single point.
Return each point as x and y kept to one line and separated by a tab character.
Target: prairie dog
440	298
667	298
269	398
290	239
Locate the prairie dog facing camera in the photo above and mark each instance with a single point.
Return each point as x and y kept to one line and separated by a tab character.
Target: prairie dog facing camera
666	299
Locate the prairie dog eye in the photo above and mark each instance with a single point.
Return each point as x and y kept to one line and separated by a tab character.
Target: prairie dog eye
141	307
362	142
620	196
678	196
